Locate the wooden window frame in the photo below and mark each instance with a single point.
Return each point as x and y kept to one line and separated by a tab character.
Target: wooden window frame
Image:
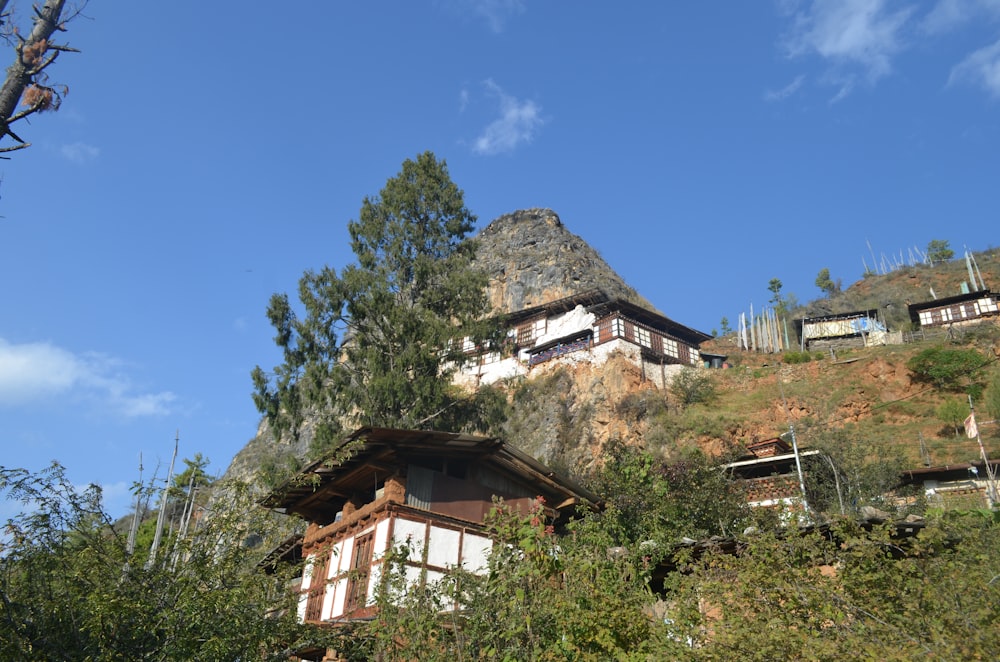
317	587
360	572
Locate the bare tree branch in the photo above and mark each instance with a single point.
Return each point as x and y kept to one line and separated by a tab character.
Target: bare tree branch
26	73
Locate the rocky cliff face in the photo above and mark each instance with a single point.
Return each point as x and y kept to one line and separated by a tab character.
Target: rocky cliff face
532	259
561	415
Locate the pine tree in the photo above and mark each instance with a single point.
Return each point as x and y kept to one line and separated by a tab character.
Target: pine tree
379	341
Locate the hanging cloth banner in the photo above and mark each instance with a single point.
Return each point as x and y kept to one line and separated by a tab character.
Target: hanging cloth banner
971	430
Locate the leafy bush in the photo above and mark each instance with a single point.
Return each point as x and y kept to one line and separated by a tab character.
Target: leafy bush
949	369
691	386
952	412
797	357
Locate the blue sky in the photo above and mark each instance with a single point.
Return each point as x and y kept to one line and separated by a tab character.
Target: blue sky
210	152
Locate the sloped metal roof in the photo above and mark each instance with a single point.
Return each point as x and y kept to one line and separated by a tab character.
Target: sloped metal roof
602	304
348	468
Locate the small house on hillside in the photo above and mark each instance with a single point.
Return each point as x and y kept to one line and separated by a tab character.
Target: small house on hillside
859	328
587	327
963	485
955	310
769	475
382	488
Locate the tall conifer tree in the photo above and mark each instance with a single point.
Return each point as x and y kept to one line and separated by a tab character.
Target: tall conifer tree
379	341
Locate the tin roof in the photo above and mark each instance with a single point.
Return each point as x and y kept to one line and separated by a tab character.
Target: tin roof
349	467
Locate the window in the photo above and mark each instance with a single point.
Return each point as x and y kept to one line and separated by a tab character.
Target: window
629	331
670	348
361	568
642	336
317	586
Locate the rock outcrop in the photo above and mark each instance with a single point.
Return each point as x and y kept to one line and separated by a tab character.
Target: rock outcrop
533	259
566	415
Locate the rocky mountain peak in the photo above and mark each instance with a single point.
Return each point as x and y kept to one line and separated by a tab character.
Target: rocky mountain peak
533	259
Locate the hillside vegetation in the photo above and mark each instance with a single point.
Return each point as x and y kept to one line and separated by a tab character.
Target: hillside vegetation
567	415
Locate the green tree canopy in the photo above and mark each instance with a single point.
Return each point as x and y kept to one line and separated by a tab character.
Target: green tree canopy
991	397
691	386
652	500
782	303
949	369
774	287
938	250
70	589
952	412
724	326
849	473
825	283
378	341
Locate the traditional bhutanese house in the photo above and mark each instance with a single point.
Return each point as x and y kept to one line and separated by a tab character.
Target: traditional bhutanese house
430	491
958	310
588	327
956	486
859	328
769	474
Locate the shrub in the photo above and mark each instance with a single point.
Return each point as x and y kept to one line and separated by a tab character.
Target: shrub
691	386
797	357
949	369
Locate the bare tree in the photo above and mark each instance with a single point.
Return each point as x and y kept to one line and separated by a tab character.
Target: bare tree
26	83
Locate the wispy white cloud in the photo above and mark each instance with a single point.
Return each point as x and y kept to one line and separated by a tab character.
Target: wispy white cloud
980	68
518	122
861	32
38	372
79	152
845	85
948	15
858	38
496	12
463	100
786	91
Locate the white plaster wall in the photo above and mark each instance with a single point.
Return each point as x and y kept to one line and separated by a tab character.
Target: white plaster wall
327	609
381	540
491	373
412	533
306	582
373	580
444	546
559	326
348	552
339	589
475	552
300	608
434	577
413	576
504	369
307	571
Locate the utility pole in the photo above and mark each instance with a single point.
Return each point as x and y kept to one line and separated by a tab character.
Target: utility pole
795	445
798	468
